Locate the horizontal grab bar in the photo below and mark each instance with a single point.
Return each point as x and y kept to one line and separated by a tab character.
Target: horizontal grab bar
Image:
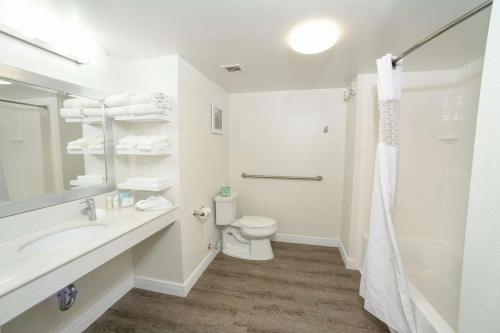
317	178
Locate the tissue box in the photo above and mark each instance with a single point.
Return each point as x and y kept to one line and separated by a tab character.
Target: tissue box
225	191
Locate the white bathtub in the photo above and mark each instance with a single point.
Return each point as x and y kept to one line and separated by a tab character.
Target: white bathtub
434	275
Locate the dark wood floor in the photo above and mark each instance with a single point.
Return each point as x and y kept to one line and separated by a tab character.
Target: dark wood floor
303	289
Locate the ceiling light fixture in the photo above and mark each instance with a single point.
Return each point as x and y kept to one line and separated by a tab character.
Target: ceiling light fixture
313	36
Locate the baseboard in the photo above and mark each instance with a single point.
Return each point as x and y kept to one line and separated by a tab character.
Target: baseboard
98	309
175	288
306	240
349	263
196	274
159	286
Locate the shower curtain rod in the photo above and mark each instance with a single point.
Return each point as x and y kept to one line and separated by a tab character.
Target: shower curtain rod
447	27
22	103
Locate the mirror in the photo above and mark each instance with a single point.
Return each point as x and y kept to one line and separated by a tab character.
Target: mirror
54	146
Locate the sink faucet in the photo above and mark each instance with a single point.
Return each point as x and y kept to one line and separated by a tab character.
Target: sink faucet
90	209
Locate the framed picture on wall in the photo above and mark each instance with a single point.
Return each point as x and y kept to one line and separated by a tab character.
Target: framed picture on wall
217	120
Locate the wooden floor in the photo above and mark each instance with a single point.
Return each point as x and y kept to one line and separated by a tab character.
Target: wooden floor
303	289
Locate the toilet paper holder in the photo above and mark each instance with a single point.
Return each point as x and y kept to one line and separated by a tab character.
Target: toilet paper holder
202	212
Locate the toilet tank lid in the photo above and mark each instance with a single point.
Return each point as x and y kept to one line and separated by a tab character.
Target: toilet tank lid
231	197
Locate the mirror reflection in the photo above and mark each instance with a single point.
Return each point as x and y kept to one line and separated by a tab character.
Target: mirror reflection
49	141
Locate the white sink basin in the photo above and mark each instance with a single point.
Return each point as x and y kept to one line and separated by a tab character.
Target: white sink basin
62	239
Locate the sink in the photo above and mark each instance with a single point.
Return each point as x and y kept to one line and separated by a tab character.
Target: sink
62	239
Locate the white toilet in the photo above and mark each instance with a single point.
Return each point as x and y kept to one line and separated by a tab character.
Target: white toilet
245	238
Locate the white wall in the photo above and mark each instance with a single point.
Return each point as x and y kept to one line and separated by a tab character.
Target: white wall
480	299
281	133
203	160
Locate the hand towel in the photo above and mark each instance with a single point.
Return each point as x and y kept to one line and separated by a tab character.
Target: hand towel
117	100
117	111
150	108
153	202
145	98
71	113
153	146
92	112
81	102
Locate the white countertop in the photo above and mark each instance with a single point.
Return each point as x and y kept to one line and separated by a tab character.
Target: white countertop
18	268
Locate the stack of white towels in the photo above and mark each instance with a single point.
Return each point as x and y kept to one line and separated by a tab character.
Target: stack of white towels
138	104
145	183
142	143
87	180
80	107
153	202
79	145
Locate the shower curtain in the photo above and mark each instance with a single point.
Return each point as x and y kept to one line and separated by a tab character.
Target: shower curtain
383	283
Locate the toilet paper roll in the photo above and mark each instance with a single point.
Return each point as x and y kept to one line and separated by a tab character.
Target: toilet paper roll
204	212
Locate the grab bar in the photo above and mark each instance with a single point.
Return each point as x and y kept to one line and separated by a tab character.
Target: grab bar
317	178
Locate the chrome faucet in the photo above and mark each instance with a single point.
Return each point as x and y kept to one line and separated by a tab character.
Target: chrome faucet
90	209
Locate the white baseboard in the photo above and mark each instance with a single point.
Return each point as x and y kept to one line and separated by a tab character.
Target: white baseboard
196	274
98	309
306	240
159	286
175	288
349	263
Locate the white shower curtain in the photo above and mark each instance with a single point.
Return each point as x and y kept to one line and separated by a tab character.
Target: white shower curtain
383	283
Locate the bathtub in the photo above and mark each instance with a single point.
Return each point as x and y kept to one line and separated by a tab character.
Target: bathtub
434	275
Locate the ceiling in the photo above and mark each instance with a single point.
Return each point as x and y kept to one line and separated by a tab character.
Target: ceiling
253	33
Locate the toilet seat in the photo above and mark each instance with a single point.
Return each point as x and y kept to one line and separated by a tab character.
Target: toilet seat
256	222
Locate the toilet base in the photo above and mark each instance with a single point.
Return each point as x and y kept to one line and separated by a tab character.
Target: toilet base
234	245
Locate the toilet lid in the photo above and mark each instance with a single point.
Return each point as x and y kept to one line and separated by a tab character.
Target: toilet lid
257	222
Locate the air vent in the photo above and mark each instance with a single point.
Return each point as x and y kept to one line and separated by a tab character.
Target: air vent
232	68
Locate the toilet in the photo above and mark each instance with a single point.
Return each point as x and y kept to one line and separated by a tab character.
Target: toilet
244	238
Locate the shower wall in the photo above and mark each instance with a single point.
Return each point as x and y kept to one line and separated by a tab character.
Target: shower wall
438	117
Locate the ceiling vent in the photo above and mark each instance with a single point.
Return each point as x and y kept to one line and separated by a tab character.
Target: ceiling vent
232	68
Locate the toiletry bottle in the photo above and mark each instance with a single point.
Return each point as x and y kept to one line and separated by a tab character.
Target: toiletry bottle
116	202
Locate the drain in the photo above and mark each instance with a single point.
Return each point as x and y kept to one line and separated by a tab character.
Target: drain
67	297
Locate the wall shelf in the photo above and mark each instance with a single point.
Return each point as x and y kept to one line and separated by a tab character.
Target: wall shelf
147	118
86	152
146	188
88	120
160	152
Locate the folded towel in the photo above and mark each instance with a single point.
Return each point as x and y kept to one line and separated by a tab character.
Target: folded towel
145	98
118	100
153	202
117	111
155	107
136	140
92	112
81	102
83	143
71	113
153	146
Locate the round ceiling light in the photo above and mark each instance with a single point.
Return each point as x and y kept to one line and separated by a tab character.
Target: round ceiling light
313	36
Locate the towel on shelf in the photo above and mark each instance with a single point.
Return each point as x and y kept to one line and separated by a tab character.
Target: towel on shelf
153	202
118	100
145	142
150	108
153	146
81	102
146	98
117	111
83	143
92	112
71	113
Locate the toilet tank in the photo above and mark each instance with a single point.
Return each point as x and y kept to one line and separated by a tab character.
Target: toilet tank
225	209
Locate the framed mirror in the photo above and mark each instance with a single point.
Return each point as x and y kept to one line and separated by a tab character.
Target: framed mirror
55	144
